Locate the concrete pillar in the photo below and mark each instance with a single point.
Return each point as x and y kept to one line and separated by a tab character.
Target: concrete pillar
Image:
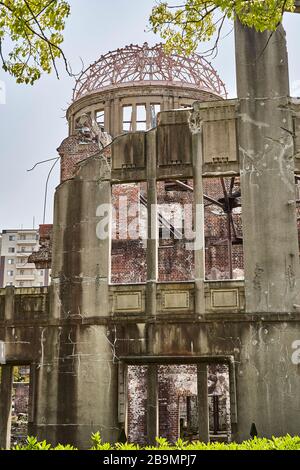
81	252
166	104
152	240
5	405
152	404
77	379
199	250
107	108
9	302
176	102
148	116
203	403
265	133
116	118
133	118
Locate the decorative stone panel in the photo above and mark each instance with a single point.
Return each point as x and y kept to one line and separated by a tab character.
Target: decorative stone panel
174	139
128	301
173	300
225	299
128	151
217	121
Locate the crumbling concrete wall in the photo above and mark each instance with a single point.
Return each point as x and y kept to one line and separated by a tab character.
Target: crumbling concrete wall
263	349
266	147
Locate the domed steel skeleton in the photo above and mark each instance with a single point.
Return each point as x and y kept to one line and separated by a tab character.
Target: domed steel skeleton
146	64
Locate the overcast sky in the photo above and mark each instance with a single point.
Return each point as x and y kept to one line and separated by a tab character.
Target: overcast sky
32	123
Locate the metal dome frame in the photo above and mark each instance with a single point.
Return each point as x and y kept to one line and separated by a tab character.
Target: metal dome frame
145	63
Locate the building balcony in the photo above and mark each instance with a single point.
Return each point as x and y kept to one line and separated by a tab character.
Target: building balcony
27	231
24	253
25	266
28	241
25	277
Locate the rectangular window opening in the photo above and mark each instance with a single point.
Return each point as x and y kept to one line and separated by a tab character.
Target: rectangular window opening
127	118
224	257
154	110
177	402
129	232
141	117
176	230
20	404
100	118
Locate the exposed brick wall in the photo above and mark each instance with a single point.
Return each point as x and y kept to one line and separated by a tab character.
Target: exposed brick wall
175	261
137	404
43	257
20	404
72	151
128	260
21	397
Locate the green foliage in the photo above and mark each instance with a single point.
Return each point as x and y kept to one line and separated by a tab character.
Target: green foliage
98	444
18	376
194	21
66	447
126	446
276	443
31	36
162	444
33	444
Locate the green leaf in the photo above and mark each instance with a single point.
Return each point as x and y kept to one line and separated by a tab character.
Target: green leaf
31	37
195	21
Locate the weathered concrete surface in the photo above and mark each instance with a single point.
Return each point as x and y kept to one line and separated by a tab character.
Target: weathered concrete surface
263	350
5	405
76	392
266	149
77	365
74	360
152	226
80	271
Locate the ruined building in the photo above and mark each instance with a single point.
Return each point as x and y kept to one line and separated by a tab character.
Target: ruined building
172	332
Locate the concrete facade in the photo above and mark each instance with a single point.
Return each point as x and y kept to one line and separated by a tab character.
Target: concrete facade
83	336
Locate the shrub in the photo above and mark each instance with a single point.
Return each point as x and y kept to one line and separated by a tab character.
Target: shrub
276	443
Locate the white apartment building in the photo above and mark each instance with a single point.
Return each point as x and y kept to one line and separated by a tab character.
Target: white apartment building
16	246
